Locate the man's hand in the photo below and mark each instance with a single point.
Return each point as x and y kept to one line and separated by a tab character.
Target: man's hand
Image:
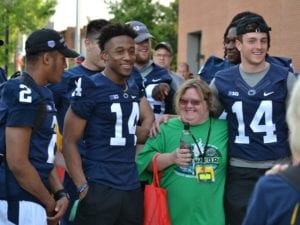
276	169
160	91
58	212
155	129
83	193
50	208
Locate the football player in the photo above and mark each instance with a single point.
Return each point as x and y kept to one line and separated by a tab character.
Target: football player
105	111
30	190
254	94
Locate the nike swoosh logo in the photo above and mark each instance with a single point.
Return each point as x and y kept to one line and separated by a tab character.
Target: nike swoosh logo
133	97
155	80
268	93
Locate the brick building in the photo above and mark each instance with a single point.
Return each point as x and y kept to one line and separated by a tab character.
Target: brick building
202	23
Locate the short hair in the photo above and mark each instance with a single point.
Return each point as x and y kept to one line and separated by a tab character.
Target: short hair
33	59
30	59
114	30
94	27
184	64
293	119
202	88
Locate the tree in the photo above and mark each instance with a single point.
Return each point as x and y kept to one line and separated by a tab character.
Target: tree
21	17
162	21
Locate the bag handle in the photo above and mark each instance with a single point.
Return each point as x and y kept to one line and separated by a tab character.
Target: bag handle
156	176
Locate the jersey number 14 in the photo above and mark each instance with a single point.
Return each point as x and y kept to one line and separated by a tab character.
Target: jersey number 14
265	110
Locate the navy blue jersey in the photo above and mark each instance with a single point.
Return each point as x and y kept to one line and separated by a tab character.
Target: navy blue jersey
19	107
62	90
281	61
215	64
137	78
158	75
272	202
212	66
61	94
256	115
109	136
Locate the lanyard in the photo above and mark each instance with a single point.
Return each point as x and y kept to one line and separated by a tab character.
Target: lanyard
206	143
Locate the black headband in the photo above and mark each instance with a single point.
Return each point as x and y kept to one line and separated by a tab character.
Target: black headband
252	24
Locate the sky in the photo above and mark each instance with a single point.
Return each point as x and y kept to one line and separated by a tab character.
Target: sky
65	15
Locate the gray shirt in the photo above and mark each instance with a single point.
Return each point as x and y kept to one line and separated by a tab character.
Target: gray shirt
177	80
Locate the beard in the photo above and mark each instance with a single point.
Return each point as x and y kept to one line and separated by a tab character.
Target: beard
142	58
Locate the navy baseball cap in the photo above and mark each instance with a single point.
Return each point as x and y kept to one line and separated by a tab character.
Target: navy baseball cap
165	45
141	30
252	24
46	40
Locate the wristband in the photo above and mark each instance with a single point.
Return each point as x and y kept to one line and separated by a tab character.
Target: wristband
82	187
60	194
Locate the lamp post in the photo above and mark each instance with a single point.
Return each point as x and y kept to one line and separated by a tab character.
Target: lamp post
77	30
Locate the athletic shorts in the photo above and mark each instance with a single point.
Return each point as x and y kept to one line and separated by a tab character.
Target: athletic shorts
22	213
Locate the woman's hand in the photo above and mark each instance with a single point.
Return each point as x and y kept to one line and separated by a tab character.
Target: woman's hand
182	157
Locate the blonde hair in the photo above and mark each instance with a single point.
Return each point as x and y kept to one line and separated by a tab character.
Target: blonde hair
201	88
293	120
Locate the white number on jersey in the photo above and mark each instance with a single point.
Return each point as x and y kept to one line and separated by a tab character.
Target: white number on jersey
25	94
265	110
78	89
118	139
52	142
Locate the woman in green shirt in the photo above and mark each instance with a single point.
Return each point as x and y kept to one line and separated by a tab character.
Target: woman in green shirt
194	179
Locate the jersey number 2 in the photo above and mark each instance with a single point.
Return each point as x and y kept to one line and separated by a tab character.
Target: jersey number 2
25	96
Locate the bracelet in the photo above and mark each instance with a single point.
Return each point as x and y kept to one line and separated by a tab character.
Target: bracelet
82	187
60	194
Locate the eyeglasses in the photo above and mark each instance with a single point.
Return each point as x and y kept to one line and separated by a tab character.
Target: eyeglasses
193	102
162	55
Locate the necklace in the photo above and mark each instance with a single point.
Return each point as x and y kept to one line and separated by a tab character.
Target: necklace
126	87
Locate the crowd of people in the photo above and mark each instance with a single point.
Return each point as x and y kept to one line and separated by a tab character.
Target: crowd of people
122	105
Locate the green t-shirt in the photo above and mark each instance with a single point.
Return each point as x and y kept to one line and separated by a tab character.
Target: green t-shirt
191	202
